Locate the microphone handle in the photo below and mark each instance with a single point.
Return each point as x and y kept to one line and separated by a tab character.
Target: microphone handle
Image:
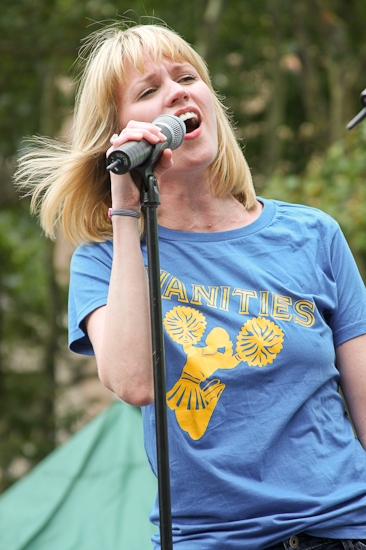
134	153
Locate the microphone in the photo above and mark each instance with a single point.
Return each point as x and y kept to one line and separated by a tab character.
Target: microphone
361	115
134	153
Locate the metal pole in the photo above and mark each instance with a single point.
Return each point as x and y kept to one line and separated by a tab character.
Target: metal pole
150	203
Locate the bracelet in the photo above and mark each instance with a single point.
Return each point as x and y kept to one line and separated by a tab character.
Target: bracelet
123	212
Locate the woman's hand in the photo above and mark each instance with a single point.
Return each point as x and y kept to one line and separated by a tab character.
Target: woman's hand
125	193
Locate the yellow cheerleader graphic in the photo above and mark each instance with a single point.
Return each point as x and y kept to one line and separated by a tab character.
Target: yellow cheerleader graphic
193	404
259	342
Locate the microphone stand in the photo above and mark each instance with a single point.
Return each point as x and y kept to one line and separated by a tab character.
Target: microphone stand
362	114
150	200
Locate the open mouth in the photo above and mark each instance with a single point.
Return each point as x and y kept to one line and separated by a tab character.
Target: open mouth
191	121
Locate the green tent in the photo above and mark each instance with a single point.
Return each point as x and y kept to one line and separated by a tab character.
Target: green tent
92	493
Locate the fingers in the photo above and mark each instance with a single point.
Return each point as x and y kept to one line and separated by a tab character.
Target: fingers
136	131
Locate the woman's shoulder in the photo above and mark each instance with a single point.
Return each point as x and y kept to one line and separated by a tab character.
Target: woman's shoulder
303	215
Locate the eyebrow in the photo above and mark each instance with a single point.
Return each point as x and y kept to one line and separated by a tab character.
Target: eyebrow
150	76
176	66
146	78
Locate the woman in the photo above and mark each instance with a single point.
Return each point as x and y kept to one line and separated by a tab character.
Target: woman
264	309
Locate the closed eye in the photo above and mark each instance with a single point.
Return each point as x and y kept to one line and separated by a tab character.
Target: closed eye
147	92
188	78
181	80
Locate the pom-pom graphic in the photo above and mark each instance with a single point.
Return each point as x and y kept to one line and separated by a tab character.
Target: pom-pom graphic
185	325
259	342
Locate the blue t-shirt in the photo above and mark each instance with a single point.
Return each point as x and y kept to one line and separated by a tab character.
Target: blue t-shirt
260	444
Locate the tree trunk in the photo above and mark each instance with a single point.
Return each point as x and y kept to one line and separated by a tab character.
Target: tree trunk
48	127
313	96
272	144
206	41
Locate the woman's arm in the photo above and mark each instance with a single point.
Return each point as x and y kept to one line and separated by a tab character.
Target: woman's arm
351	363
120	332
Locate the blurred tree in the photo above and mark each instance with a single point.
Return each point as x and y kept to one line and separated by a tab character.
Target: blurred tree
335	183
38	46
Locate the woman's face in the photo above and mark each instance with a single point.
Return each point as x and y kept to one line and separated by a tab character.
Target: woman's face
173	88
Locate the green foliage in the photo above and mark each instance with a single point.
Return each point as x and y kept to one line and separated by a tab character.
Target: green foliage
21	266
335	183
33	341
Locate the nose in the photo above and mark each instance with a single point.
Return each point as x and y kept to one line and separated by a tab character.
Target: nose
177	93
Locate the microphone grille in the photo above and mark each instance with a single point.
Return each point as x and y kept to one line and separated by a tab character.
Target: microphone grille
176	127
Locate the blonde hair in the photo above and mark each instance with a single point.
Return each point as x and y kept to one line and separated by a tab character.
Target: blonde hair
69	183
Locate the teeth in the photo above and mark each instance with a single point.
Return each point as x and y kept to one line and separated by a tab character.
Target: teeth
187	116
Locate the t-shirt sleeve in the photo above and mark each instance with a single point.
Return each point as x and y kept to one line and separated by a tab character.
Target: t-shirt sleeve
90	272
348	319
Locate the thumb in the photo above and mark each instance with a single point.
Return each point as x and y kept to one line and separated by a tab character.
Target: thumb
165	163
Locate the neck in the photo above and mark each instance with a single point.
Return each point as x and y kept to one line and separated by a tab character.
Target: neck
201	212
